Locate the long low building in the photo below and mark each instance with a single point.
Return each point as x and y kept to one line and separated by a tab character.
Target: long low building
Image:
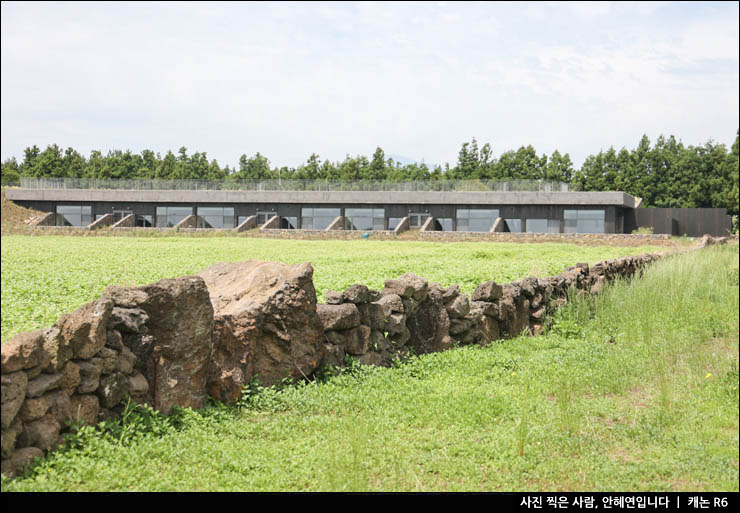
473	211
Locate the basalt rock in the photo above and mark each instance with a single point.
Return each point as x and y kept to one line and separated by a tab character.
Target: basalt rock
23	351
429	325
131	320
487	291
407	286
396	323
373	315
333	298
42	433
339	317
85	408
43	383
356	294
175	353
266	325
391	303
84	330
13	389
458	307
20	459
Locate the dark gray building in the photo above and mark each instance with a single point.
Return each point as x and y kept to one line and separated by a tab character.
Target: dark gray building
539	211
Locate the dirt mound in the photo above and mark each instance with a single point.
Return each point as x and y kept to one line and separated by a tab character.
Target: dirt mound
15	218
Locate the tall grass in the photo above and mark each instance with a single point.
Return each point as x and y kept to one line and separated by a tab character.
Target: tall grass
664	317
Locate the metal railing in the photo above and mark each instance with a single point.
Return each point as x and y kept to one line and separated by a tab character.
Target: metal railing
298	185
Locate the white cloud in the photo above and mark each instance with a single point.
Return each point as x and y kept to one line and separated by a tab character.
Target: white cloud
417	79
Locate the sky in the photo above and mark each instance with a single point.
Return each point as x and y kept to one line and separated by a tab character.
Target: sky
417	79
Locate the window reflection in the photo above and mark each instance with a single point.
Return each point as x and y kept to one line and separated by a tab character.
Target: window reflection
318	218
215	217
475	219
74	215
584	221
167	217
364	218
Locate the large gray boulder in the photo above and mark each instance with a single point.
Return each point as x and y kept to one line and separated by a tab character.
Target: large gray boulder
266	325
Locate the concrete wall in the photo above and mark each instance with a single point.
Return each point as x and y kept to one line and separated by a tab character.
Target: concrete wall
128	221
272	223
189	222
249	223
106	220
48	220
337	224
325	197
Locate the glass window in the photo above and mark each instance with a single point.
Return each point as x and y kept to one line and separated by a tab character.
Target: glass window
74	215
536	225
543	226
215	217
417	220
288	223
393	222
475	219
443	224
318	218
365	218
584	221
167	217
515	225
144	221
263	217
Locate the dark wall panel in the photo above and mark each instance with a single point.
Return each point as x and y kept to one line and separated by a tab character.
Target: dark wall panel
693	222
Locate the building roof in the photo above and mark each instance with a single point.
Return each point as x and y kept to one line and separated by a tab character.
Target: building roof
620	199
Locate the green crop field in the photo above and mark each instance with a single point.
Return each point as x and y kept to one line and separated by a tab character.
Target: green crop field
45	277
635	389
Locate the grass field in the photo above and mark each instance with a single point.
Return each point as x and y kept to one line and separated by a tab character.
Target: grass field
45	277
636	389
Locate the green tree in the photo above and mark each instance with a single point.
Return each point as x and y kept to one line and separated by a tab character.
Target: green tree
468	161
149	164
376	170
73	164
254	168
10	171
48	163
29	160
167	168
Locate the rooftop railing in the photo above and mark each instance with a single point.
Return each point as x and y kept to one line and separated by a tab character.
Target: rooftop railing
297	185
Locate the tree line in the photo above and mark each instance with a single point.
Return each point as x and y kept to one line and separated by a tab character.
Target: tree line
664	174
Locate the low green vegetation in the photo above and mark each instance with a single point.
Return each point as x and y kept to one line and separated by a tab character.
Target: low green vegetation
636	389
45	277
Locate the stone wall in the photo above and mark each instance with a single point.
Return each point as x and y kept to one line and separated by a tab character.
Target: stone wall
151	343
412	315
176	341
402	232
48	219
